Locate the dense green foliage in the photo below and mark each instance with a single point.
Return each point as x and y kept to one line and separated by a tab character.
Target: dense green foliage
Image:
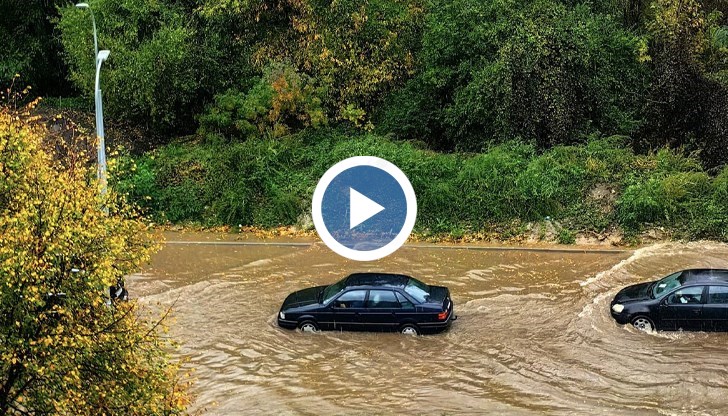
497	70
456	75
152	77
266	182
360	50
169	57
688	96
281	101
269	87
29	45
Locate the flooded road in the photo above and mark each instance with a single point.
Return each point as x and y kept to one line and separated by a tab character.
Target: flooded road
534	334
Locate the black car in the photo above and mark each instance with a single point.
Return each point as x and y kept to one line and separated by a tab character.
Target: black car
371	302
691	300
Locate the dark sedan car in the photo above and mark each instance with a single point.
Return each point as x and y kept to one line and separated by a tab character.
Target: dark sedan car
691	300
371	302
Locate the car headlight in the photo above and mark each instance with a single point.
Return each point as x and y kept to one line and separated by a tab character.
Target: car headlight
282	315
618	308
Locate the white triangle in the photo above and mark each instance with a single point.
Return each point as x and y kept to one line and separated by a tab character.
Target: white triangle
361	208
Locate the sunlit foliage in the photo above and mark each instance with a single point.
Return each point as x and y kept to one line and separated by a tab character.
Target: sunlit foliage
63	350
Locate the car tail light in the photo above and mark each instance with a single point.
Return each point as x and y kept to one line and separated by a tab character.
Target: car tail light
442	315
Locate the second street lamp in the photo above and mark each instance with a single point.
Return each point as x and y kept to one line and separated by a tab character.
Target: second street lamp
101	155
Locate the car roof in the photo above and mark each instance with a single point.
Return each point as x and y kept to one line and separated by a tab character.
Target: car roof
377	279
705	276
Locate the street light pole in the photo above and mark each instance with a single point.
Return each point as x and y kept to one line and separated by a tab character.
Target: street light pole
101	156
99	58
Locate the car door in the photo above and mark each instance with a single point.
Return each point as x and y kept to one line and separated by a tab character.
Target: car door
382	307
682	309
407	311
715	310
348	308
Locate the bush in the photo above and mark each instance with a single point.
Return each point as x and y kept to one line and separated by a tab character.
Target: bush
683	201
488	184
282	101
590	187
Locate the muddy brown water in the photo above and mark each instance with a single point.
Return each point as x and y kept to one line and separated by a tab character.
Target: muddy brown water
534	334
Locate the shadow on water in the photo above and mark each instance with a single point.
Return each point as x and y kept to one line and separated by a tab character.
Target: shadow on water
534	334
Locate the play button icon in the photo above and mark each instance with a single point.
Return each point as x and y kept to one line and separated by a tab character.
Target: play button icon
364	208
361	208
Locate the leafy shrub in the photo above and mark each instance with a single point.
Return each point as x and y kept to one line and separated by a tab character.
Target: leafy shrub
282	101
565	237
677	200
488	184
266	182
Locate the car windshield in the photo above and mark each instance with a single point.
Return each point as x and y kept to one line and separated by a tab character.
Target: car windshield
417	290
332	290
666	284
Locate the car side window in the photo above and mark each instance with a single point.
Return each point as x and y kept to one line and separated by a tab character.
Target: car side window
689	295
718	294
379	299
351	299
403	301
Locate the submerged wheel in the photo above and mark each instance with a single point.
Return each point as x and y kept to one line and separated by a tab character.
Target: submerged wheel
409	329
308	326
643	323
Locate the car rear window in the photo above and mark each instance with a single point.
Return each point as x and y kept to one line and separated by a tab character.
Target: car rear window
417	290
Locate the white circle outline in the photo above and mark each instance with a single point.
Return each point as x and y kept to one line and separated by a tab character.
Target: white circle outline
330	175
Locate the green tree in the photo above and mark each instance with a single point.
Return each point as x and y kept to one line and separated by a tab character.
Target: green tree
62	349
539	70
29	45
281	102
358	50
153	77
688	96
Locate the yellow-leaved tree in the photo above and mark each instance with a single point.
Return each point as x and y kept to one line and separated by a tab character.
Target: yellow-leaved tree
63	350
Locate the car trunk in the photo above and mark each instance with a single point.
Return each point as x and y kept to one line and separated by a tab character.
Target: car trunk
440	295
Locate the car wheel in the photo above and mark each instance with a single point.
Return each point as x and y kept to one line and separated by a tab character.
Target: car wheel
409	329
308	326
643	323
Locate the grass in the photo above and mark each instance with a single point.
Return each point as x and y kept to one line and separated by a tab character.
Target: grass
268	183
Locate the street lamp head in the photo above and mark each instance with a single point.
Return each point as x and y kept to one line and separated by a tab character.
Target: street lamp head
82	5
103	55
